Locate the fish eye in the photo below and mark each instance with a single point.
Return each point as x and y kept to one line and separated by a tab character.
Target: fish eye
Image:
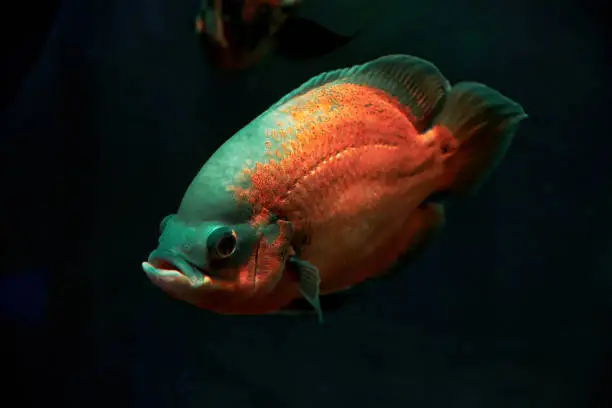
164	223
222	243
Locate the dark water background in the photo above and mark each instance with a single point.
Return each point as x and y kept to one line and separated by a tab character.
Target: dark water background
104	125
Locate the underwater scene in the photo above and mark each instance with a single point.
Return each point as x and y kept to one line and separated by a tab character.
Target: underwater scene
306	204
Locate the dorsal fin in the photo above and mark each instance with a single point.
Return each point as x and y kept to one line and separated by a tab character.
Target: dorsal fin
415	82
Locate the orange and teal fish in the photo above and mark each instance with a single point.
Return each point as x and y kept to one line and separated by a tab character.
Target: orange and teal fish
330	186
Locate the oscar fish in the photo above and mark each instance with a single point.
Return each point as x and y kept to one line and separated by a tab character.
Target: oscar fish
330	186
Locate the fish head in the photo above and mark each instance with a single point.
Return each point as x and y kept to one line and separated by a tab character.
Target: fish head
217	265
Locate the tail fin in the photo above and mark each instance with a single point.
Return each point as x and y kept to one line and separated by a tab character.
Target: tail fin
482	122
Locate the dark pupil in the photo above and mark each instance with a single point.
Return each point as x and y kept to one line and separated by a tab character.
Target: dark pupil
226	245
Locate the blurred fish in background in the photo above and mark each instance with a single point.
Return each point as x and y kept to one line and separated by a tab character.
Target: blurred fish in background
237	34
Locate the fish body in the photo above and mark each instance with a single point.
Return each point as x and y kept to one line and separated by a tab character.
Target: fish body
330	186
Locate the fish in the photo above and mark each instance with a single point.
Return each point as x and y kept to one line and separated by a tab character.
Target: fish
237	34
330	186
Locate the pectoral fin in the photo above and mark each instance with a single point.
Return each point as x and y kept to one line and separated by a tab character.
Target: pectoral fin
309	281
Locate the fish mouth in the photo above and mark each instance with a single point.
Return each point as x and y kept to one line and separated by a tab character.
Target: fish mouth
171	264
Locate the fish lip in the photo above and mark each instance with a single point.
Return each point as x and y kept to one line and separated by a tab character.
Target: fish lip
163	258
